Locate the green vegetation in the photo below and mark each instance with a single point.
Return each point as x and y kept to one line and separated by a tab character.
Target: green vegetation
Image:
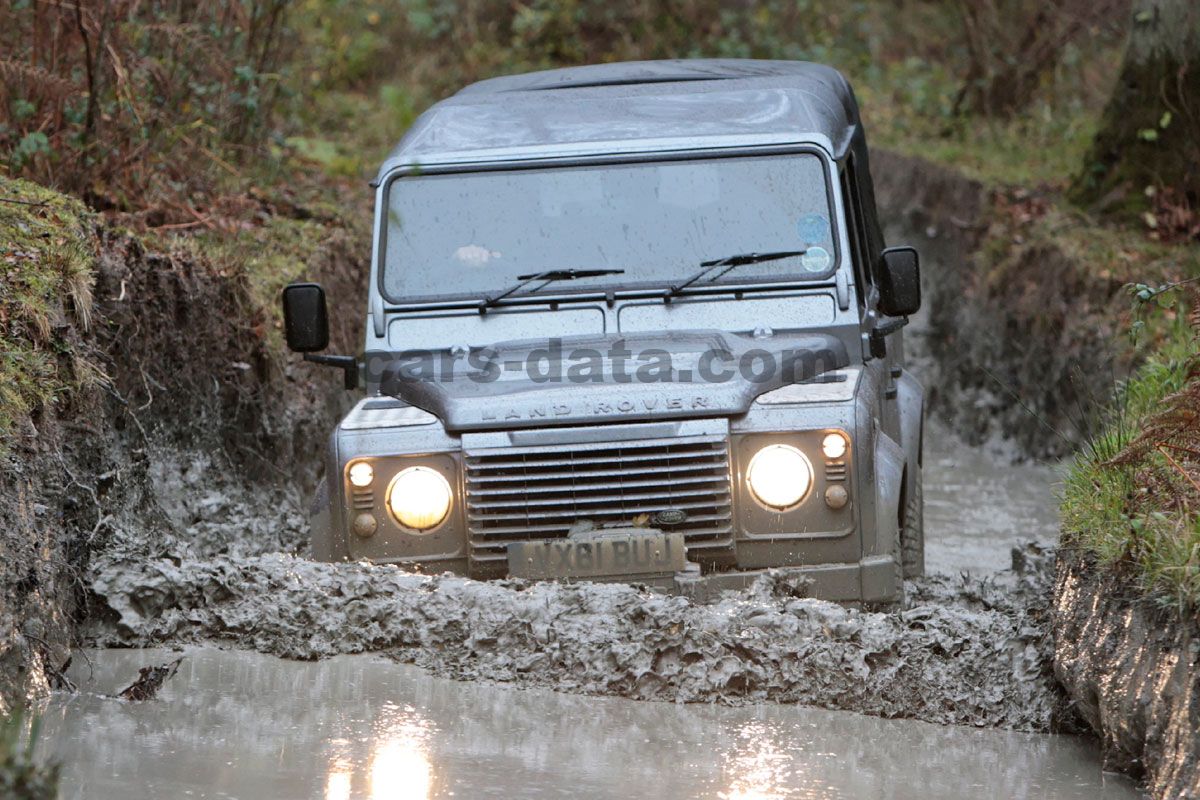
1132	499
46	252
22	778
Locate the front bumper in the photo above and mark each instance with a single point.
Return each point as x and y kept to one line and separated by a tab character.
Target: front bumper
685	477
871	580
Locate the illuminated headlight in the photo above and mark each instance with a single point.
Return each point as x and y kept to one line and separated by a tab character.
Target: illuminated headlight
779	476
834	446
419	498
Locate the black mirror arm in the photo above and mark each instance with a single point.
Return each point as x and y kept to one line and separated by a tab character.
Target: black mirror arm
884	328
889	325
347	364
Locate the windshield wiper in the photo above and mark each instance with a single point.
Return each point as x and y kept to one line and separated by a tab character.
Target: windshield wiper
729	262
549	276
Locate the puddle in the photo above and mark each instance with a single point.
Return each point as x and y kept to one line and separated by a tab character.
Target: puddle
978	504
243	725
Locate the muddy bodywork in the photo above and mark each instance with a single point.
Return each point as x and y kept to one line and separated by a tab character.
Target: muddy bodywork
633	436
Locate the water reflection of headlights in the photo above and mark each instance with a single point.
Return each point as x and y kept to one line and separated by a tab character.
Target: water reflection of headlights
758	771
337	784
400	766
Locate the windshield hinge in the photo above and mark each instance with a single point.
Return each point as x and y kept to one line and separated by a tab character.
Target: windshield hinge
376	314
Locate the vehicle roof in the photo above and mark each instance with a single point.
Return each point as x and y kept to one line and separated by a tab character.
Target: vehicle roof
635	106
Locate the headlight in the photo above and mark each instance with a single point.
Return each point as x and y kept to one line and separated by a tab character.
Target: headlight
779	476
419	498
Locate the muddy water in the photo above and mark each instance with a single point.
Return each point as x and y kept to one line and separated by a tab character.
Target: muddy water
979	503
243	725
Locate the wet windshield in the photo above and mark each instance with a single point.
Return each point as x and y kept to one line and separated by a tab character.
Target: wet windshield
469	235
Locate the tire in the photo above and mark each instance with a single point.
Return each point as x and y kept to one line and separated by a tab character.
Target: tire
912	535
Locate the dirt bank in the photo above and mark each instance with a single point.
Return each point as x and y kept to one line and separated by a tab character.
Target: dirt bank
168	387
1023	331
1131	669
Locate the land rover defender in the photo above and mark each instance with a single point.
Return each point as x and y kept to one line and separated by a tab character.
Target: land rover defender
631	322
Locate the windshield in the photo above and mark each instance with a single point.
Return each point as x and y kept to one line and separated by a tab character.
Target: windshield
467	235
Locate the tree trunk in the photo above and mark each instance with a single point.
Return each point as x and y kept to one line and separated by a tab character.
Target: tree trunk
1149	135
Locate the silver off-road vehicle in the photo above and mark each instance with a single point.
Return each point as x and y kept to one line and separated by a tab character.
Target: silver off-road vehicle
631	322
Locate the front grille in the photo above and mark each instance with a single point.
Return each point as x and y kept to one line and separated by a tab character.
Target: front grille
526	493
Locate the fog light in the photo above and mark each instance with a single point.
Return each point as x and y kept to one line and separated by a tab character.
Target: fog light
779	476
419	498
834	446
836	497
361	474
365	525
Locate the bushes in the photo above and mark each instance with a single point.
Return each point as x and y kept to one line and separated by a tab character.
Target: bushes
124	102
158	104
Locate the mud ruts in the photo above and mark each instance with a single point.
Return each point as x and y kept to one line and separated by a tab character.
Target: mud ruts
968	651
1130	669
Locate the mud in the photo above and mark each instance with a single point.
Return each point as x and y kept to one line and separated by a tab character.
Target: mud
978	503
238	724
1131	668
970	651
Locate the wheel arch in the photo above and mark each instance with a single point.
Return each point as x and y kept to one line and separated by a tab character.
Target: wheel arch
910	402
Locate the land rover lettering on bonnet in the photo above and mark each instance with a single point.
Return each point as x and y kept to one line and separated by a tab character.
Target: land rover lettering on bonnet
631	322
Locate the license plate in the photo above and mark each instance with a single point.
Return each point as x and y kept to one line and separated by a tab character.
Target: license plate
606	556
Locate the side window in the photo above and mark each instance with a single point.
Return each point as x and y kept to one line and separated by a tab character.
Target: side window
856	232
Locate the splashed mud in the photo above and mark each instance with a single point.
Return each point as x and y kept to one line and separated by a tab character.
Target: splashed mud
967	651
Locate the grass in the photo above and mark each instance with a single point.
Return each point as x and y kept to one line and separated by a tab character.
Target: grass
1131	499
1044	146
295	223
47	250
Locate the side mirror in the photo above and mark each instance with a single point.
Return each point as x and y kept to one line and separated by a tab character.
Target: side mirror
305	318
899	281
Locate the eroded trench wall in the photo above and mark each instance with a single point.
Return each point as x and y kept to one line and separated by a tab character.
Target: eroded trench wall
195	393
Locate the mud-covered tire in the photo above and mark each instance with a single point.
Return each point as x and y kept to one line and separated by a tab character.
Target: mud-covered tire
900	575
912	535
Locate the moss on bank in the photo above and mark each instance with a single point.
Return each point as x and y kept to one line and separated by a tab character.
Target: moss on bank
47	253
